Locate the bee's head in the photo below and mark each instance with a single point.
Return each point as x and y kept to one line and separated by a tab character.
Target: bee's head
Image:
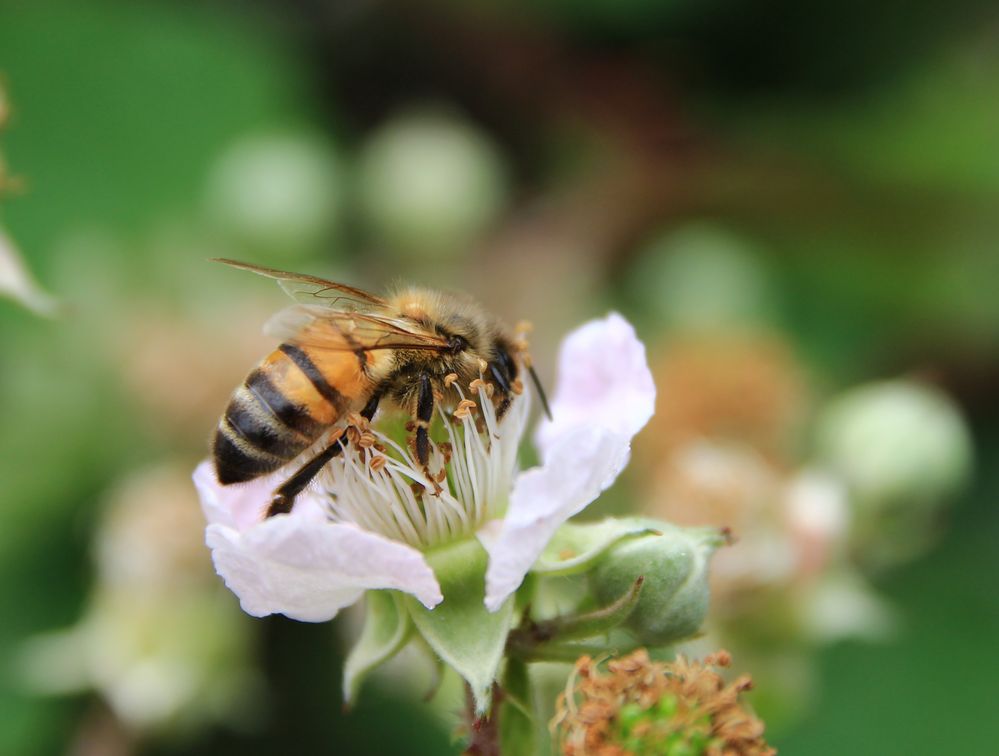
456	318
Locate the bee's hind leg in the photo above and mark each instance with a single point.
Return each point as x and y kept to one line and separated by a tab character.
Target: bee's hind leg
284	497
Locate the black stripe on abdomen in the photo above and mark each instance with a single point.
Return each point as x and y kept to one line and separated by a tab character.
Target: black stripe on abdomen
236	461
261	430
255	424
308	367
283	410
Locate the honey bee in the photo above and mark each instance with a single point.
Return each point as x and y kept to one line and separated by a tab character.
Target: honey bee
346	351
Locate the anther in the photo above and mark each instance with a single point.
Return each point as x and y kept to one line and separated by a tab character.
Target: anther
464	408
358	420
517	386
378	462
366	440
449	379
483	366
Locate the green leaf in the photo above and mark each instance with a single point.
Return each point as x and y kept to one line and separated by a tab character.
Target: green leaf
465	634
576	547
386	630
516	721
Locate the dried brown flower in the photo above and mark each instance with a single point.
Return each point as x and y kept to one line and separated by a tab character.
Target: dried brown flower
639	706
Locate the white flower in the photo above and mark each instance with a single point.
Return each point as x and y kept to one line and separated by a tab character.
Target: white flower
362	526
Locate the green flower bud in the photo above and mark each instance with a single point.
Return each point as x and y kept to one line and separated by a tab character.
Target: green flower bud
430	183
279	192
703	277
897	444
674	598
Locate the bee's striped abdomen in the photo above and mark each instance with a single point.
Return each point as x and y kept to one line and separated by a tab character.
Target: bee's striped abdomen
281	409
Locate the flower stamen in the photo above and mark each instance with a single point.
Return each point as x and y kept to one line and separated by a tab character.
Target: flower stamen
468	472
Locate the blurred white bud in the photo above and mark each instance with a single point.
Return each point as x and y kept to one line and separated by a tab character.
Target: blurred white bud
817	517
703	277
17	283
842	606
430	183
279	192
898	444
159	640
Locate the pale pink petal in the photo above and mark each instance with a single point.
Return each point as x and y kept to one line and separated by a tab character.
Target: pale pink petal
309	571
603	380
242	505
577	469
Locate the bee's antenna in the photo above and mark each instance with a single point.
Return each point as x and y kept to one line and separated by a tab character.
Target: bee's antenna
541	391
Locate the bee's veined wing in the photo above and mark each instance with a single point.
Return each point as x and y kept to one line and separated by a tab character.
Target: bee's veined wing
314	290
318	327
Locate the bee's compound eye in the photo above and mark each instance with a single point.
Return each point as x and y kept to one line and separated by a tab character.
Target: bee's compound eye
457	344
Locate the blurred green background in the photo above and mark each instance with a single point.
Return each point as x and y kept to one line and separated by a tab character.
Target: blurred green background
825	172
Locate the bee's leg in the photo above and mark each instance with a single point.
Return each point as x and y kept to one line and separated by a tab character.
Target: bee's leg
503	371
424	413
284	496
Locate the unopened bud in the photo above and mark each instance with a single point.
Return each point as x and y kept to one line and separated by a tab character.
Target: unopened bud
674	563
897	444
281	192
429	183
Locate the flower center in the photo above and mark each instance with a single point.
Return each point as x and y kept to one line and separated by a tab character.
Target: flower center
378	484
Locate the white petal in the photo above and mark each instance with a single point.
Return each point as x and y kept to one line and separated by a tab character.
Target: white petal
309	571
577	469
603	380
242	505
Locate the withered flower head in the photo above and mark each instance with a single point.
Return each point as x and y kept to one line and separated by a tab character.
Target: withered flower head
640	707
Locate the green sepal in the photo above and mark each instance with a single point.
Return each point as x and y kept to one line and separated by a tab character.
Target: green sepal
420	646
518	733
576	547
460	630
387	627
601	621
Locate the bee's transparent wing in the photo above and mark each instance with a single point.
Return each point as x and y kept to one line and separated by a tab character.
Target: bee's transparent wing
318	327
312	290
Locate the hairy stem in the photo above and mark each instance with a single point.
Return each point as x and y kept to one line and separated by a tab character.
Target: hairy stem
483	732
